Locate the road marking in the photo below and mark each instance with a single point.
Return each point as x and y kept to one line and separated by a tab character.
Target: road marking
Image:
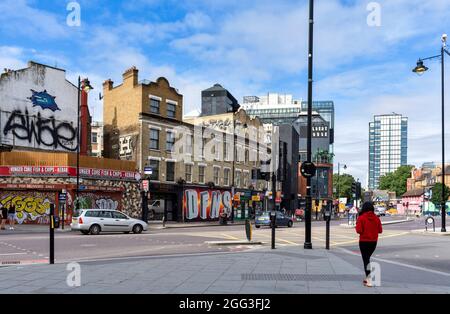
229	236
280	239
381	237
12	254
399	264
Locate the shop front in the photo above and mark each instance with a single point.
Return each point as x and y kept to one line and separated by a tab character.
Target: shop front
246	203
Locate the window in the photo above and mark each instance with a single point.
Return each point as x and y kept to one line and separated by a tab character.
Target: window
238	179
170	171
119	215
91	213
154	105
226	177
154	139
189	147
246	177
171	110
155	170
201	174
216	175
94	138
105	214
170	141
188	173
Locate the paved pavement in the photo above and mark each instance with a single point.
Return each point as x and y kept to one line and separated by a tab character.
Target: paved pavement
285	270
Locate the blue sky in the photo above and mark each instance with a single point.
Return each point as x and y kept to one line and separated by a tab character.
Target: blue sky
252	47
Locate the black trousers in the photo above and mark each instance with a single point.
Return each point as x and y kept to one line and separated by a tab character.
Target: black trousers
367	249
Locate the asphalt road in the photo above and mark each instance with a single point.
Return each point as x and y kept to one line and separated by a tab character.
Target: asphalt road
397	243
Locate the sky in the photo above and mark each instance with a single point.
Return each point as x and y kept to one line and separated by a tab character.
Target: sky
252	47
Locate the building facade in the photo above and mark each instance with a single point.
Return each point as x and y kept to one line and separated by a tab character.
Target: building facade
97	139
388	146
218	100
38	110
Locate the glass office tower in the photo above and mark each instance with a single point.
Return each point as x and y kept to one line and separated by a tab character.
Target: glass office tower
388	146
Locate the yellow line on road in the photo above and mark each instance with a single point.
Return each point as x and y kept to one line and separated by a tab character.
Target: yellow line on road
229	236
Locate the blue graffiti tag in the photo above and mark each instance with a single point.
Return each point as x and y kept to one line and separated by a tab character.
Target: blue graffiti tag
43	99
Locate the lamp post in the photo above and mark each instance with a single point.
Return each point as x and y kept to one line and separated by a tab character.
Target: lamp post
86	87
339	184
308	243
420	69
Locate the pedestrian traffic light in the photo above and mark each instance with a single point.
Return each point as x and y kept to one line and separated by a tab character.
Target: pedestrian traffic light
354	188
358	190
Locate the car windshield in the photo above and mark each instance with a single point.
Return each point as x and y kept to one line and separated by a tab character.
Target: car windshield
263	215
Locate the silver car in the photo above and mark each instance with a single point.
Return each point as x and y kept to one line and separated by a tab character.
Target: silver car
94	221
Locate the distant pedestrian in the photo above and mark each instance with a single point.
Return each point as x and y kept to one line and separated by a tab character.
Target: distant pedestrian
11	216
368	227
4	213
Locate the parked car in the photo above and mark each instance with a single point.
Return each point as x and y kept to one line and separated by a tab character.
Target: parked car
156	209
94	221
263	219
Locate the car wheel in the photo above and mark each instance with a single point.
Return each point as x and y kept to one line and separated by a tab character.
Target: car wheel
137	229
85	232
95	230
257	227
127	232
290	224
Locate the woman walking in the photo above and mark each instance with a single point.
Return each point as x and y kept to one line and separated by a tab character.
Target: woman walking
11	216
368	227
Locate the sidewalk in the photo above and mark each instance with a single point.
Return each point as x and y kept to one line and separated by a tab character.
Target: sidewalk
287	270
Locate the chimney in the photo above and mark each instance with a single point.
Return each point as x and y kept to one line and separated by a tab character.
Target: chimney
131	75
108	85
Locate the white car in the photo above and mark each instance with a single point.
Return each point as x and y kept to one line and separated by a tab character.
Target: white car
94	221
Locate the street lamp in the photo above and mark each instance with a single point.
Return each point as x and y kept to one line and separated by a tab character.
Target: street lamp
308	242
339	184
420	69
86	87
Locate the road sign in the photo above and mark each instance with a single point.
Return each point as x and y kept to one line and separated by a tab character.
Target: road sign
148	170
62	196
145	185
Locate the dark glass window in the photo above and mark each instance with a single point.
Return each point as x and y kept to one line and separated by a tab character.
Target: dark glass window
155	170
154	106
171	110
170	171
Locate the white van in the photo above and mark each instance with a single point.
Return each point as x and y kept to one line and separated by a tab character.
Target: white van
156	209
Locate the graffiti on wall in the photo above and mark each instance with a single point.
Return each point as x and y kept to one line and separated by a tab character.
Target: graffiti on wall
100	201
41	131
31	207
44	100
200	204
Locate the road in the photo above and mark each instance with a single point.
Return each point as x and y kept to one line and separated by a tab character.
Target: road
31	248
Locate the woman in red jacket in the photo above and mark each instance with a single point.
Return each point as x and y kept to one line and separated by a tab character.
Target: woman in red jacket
368	226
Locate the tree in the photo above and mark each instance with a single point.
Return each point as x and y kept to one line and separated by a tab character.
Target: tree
436	196
396	181
343	183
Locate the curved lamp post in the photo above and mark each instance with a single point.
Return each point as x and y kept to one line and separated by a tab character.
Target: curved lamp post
419	70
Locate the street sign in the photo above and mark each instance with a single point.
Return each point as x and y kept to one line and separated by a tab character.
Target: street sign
148	170
145	185
62	196
308	169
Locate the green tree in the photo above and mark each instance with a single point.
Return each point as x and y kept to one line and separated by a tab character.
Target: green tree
436	196
396	181
343	183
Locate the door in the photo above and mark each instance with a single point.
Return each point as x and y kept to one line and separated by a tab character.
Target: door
106	221
121	222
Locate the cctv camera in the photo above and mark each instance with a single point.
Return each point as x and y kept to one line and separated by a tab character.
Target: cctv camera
444	38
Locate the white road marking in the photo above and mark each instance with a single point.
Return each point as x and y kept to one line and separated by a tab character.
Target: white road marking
12	254
399	264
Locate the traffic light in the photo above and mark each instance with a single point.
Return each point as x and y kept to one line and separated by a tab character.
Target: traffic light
354	189
358	190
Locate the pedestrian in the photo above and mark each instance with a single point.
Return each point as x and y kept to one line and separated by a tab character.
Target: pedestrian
368	227
4	216
11	216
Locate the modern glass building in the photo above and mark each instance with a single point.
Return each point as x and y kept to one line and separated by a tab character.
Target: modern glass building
326	111
388	146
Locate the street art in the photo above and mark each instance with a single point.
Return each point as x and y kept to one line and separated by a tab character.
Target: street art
201	204
43	131
43	99
31	207
100	201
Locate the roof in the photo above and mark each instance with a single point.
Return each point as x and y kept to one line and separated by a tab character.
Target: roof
415	192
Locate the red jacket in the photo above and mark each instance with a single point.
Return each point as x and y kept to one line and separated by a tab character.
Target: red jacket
368	226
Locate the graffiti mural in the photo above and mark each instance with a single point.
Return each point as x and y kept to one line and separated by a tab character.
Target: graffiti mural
201	204
44	100
31	207
41	131
100	200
